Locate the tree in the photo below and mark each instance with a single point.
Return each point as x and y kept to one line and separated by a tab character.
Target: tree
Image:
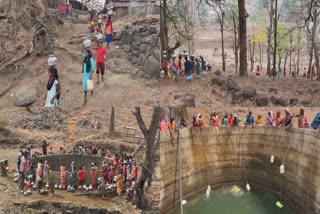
220	11
111	123
243	38
148	164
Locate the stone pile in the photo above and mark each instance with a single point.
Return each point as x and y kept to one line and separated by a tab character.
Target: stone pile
142	43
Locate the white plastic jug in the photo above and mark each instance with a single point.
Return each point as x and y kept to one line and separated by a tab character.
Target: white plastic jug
52	60
248	187
99	21
282	169
271	159
87	43
110	12
90	85
99	36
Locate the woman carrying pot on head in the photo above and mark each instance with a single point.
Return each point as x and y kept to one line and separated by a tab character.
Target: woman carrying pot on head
53	88
101	54
109	29
87	71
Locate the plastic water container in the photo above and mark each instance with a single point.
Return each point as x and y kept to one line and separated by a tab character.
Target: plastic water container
99	37
271	159
184	202
248	187
52	60
99	21
110	12
72	189
87	43
90	85
282	169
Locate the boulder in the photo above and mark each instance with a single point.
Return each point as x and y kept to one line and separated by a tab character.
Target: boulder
232	84
293	102
26	96
283	101
136	53
152	67
218	73
149	51
249	92
137	40
157	54
127	48
186	100
124	35
273	99
306	101
273	90
153	29
151	40
142	59
145	28
116	36
218	80
143	48
135	60
143	34
262	100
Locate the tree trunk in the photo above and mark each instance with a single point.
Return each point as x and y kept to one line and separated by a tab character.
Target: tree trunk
279	63
252	48
163	27
111	123
314	35
236	46
269	37
285	60
310	63
148	161
275	35
222	42
260	56
243	37
299	43
290	64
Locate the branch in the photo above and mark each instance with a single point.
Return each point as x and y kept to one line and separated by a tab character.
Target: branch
140	121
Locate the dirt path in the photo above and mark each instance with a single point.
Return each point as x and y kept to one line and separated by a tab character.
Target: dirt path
119	89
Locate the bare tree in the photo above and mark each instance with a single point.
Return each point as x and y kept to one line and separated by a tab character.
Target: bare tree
243	37
148	164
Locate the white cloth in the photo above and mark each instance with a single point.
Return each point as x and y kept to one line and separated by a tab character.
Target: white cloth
51	94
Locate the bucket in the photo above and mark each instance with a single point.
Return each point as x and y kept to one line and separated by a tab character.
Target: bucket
248	187
271	159
89	85
87	43
52	60
282	169
99	37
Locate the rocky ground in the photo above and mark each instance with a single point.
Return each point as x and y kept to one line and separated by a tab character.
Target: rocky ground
21	127
23	67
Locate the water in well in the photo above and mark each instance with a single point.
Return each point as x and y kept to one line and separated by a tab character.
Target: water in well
224	201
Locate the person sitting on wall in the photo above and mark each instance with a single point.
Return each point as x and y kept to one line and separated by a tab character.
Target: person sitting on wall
259	121
249	119
279	119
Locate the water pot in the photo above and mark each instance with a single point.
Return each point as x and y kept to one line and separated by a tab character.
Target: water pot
52	60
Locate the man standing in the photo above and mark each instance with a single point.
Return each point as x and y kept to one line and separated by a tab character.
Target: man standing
44	148
67	8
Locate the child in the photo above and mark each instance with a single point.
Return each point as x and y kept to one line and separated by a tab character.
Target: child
81	175
197	67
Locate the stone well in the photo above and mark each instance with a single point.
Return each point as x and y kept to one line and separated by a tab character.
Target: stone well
85	160
227	156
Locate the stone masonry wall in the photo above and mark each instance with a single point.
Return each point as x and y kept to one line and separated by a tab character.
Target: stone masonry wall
142	43
226	156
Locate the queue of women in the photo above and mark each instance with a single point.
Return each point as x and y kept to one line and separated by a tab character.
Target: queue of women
121	172
183	66
89	65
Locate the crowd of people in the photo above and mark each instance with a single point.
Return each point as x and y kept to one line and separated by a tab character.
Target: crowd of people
187	66
89	65
122	171
270	119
